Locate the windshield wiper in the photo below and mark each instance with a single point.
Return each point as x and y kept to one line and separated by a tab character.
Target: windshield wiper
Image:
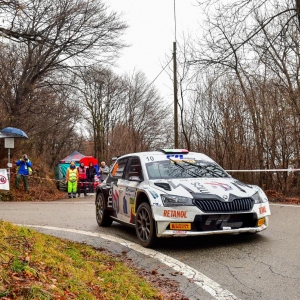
184	169
211	171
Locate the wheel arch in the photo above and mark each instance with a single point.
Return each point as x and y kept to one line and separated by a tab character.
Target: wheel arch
98	191
145	226
141	197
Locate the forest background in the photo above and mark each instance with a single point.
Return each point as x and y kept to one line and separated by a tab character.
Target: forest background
238	87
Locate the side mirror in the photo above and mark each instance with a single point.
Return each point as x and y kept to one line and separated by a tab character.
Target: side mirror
135	178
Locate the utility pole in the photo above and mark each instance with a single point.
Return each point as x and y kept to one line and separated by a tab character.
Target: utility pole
175	98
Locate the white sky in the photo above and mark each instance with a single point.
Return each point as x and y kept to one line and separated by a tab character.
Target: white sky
151	34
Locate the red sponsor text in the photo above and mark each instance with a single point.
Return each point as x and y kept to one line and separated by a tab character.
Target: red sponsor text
175	213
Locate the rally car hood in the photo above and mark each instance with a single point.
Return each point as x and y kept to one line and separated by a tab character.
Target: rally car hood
223	187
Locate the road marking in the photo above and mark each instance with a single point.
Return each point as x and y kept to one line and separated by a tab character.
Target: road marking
289	205
207	284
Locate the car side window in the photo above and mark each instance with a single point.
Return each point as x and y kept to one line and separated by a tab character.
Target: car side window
119	168
134	169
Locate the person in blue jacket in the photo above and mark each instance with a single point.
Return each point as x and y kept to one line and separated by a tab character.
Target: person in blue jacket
24	168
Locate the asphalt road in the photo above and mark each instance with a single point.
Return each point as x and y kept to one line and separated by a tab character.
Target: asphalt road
262	266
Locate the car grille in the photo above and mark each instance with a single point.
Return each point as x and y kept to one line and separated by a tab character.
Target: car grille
216	206
211	222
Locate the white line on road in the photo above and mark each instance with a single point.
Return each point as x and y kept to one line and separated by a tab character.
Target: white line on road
207	284
288	205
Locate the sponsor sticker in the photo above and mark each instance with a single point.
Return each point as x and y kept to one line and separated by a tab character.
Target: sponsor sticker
153	193
182	160
180	156
180	226
175	213
262	210
226	228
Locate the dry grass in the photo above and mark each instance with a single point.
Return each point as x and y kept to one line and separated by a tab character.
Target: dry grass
38	266
40	189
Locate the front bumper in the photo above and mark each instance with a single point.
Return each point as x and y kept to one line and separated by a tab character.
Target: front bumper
190	221
181	233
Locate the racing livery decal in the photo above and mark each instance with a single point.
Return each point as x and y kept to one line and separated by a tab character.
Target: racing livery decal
180	226
215	185
178	185
132	210
115	196
200	187
180	156
125	211
153	194
175	213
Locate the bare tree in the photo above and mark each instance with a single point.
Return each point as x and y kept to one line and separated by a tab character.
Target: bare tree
146	115
123	114
101	95
55	35
246	103
48	109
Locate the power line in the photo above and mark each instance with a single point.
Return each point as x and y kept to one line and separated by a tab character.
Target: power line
175	41
160	72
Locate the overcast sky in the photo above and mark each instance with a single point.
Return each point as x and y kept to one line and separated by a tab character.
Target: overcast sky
151	34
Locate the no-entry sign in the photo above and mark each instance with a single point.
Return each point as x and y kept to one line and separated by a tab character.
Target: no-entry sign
4	183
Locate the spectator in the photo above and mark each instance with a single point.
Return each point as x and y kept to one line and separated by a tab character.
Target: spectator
72	179
90	174
82	179
24	168
104	170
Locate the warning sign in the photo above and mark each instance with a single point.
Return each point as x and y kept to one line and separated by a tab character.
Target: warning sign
4	183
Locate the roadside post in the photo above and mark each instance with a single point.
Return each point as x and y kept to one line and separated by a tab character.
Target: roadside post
9	143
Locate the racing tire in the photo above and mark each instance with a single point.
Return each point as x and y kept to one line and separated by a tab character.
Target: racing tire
145	226
102	215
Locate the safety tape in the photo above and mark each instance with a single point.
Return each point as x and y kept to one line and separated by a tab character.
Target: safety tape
61	180
265	170
257	170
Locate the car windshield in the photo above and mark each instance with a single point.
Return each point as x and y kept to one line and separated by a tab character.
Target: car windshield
168	169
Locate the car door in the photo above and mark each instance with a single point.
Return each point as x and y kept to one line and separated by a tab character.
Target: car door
116	178
127	189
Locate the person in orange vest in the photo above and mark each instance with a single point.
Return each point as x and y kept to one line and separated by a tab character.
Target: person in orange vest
72	177
82	179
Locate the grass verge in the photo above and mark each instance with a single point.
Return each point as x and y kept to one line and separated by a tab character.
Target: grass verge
38	266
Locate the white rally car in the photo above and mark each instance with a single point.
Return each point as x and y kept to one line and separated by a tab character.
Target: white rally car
178	193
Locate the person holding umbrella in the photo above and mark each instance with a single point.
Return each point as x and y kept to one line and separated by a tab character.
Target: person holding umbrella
91	172
82	179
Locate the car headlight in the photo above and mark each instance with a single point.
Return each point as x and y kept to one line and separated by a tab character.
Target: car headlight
259	197
172	200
